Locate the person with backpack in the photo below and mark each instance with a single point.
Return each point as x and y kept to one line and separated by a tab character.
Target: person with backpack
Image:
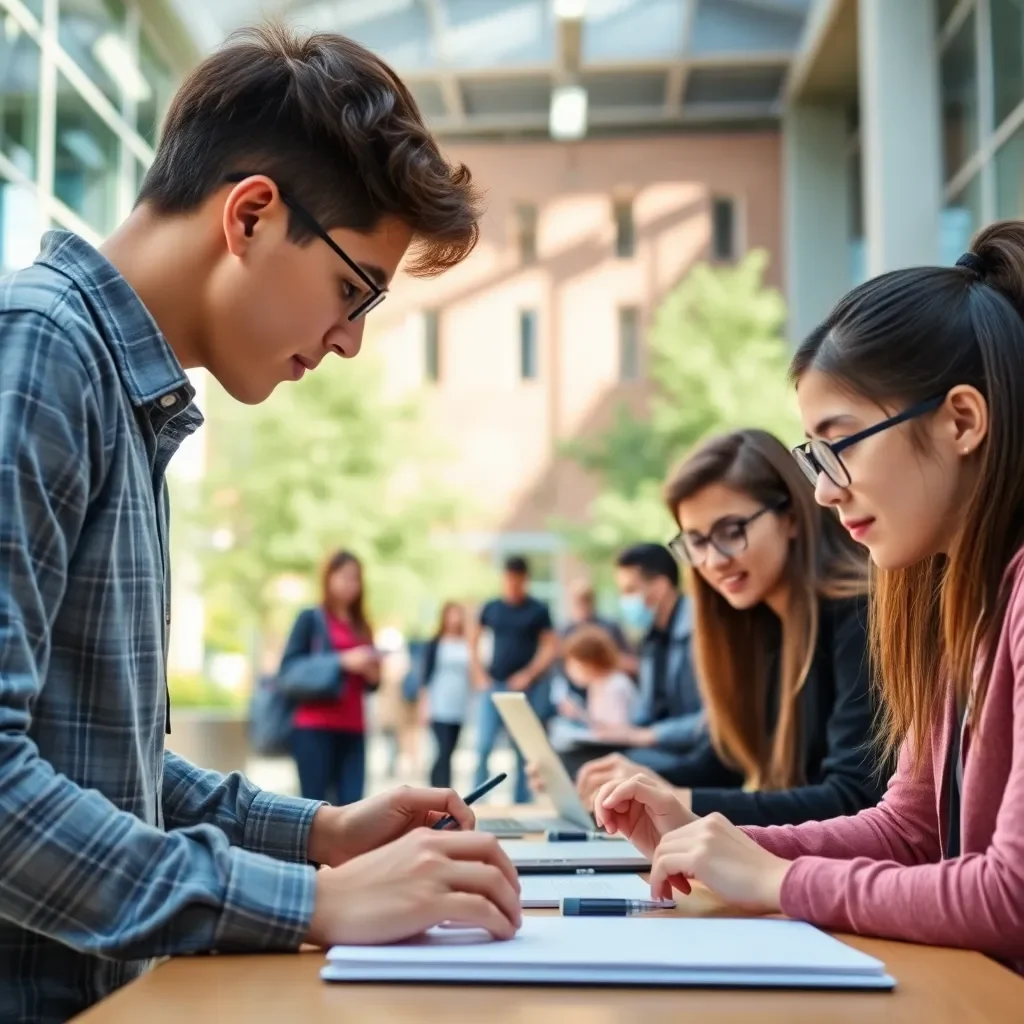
329	734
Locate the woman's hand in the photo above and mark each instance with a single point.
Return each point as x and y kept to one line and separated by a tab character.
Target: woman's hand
642	810
364	660
722	857
610	768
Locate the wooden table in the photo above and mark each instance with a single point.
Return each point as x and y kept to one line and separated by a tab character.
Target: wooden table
934	986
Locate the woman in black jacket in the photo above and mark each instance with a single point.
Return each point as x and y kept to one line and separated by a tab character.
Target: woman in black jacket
780	641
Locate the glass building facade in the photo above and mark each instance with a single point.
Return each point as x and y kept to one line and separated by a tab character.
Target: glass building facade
981	74
83	87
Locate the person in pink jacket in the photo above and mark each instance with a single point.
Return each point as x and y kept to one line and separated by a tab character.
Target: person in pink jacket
912	397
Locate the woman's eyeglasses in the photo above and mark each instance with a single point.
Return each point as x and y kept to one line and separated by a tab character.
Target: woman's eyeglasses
728	537
376	295
817	456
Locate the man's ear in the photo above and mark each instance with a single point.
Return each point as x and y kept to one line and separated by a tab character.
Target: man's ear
250	207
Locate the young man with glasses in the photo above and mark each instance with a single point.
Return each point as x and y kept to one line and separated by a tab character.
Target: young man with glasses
292	176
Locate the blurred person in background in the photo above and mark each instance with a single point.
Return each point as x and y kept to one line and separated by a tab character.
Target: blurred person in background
668	718
445	690
329	737
524	648
780	597
395	704
592	664
565	695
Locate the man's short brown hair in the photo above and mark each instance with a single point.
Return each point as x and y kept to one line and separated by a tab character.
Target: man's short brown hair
591	645
331	124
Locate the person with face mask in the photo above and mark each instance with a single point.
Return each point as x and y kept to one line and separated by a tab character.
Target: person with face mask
669	717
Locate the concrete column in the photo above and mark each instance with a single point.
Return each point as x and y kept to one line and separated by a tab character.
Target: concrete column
816	188
900	120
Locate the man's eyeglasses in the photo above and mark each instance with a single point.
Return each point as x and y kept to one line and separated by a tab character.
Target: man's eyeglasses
817	456
728	537
376	295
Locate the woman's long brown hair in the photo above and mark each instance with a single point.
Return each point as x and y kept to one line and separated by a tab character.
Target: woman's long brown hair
899	339
355	612
733	647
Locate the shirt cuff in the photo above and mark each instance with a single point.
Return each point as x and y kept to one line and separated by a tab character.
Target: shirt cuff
268	904
279	826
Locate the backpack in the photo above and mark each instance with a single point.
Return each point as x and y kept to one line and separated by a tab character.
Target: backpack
270	719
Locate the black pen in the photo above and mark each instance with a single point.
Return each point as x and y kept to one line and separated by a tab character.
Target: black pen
447	821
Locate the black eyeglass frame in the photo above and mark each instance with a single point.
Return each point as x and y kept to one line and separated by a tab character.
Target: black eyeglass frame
812	464
377	294
678	546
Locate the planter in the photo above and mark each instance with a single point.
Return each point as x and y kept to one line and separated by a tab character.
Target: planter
216	738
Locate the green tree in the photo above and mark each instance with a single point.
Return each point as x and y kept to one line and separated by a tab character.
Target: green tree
323	464
718	360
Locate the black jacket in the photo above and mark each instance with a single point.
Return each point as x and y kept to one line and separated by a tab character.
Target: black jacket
836	717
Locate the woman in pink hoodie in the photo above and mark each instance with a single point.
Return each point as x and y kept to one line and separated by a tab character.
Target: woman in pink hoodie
912	397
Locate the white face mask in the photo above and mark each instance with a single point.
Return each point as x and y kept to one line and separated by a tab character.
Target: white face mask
635	613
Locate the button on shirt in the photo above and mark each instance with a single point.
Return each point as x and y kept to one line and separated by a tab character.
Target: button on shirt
113	850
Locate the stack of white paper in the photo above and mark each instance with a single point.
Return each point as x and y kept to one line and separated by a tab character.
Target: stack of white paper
621	951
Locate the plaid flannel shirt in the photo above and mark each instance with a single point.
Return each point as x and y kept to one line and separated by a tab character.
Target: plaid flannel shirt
113	850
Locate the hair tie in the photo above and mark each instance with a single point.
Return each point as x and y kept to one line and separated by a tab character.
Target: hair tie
972	261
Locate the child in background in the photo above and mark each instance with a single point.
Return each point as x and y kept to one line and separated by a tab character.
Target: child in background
592	663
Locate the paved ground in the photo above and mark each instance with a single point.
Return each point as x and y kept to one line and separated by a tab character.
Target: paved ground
279	775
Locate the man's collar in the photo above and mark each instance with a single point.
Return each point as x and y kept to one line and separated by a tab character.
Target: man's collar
148	367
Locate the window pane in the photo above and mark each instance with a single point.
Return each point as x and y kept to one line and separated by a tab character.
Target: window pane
93	34
960	219
1007	55
959	99
157	87
528	344
723	229
431	345
526	228
19	96
625	234
20	226
1010	177
629	343
85	175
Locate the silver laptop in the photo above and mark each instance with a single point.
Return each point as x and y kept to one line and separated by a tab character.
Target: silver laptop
527	732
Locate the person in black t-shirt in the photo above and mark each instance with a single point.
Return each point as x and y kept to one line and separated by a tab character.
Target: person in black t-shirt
524	647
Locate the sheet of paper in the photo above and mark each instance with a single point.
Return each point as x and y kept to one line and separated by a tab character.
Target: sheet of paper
675	949
550	890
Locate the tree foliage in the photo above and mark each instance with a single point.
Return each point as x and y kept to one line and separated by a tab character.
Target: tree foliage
718	360
324	464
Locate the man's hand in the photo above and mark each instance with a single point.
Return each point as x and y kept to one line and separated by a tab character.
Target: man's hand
340	833
610	768
641	810
414	883
520	681
625	735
